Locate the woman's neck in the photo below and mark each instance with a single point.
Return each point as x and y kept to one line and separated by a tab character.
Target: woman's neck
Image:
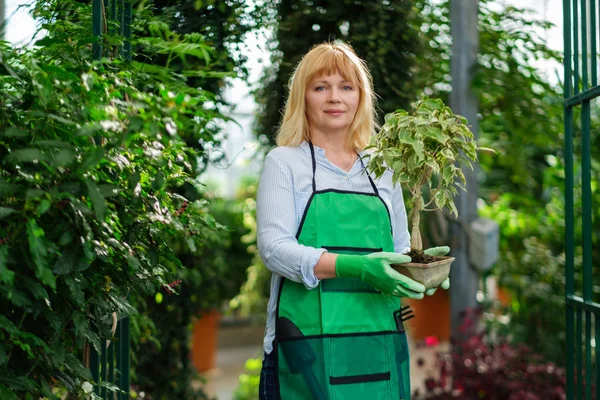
336	143
338	149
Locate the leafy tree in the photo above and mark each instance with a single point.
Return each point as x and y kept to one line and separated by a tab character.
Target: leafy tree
379	30
213	273
521	111
95	159
522	118
222	25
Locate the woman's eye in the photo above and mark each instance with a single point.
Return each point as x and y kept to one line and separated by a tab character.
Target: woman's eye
348	88
319	88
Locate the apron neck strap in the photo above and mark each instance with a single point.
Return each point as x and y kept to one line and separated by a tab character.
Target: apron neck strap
314	169
314	165
368	176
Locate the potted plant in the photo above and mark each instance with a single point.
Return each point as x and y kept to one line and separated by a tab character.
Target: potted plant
422	149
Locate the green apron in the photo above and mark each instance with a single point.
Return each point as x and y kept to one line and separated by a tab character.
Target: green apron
342	340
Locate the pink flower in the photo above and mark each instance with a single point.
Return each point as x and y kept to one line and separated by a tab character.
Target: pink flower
431	341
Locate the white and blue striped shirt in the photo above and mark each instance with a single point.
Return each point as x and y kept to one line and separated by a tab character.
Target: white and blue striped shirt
283	192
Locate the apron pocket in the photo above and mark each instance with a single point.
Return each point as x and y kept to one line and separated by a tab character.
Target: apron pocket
346	380
368	386
347	285
372	366
301	367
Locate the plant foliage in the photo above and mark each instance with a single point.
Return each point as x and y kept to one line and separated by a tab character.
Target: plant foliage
96	166
482	367
422	147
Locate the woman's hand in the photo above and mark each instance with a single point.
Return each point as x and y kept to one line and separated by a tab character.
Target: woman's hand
376	270
438	252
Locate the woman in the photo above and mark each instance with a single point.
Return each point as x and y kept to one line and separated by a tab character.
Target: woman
329	233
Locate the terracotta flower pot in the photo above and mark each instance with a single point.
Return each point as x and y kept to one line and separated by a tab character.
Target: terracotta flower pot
431	317
204	341
430	275
504	296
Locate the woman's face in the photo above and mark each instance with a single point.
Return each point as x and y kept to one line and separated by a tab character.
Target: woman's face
331	103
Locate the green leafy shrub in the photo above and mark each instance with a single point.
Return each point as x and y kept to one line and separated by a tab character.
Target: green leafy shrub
531	266
95	160
212	276
249	381
254	294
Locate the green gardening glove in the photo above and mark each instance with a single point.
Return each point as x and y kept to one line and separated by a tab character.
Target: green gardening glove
438	252
375	270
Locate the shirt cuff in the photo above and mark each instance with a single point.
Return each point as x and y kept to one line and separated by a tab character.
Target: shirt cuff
310	259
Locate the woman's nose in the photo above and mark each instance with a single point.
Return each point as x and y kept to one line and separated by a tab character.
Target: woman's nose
334	96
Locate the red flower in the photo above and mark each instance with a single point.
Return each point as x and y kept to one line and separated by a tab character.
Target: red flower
431	341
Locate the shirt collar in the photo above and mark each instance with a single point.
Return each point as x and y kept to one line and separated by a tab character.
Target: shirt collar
322	159
306	147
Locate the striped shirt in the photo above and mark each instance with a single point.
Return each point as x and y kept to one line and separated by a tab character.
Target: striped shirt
283	192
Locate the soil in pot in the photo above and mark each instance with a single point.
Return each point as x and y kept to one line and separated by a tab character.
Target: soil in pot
418	256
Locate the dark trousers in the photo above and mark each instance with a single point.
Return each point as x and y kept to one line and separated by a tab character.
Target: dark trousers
267	389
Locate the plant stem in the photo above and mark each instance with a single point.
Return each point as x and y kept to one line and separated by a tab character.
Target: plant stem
432	199
416	243
415	219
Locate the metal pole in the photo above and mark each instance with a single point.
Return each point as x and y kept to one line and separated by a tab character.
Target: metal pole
2	19
97	28
125	360
465	45
569	215
127	18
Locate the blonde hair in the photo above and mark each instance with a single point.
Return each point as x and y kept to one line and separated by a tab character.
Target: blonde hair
327	59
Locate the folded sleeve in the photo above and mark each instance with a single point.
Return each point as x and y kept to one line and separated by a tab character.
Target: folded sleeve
276	225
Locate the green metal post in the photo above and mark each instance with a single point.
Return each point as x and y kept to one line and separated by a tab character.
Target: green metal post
119	349
584	59
97	28
569	217
103	365
94	364
119	17
111	362
593	43
597	330
3	21
124	382
113	15
575	31
103	374
580	22
127	17
586	199
578	346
